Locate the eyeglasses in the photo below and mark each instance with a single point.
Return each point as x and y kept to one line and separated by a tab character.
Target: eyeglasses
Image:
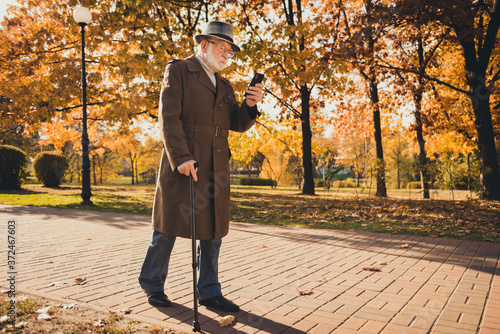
223	49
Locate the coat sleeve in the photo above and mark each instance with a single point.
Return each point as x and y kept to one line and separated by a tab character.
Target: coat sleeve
170	112
243	117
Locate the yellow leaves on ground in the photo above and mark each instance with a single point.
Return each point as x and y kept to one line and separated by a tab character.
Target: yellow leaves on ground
305	292
226	321
372	268
121	312
375	268
155	329
81	281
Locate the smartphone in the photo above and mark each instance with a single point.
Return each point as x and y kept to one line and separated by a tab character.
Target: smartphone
257	78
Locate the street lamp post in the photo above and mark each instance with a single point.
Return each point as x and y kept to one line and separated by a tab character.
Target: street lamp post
83	16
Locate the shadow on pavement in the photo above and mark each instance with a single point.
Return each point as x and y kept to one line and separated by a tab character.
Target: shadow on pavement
118	220
243	320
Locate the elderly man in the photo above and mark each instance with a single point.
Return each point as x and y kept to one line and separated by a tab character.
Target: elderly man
197	108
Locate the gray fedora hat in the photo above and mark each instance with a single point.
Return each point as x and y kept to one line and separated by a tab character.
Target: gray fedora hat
219	30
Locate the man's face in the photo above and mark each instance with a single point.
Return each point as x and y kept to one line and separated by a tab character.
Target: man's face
217	54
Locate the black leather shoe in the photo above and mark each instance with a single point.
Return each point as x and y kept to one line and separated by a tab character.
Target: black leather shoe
158	299
220	303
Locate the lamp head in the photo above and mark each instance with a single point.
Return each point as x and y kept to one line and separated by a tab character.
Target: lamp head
82	16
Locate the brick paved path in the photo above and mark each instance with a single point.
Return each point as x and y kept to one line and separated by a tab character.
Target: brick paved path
432	286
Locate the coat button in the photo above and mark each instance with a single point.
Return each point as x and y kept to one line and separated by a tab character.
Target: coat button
219	105
217	150
177	152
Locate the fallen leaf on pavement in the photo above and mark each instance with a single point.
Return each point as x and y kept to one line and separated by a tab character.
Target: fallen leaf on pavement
125	311
262	246
404	246
383	263
323	280
81	281
57	284
371	268
226	321
305	292
121	312
155	329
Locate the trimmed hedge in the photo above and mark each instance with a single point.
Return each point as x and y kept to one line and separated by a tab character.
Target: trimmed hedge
50	168
255	181
13	167
344	184
414	185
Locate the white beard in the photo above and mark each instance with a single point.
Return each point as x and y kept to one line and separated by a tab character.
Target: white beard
213	62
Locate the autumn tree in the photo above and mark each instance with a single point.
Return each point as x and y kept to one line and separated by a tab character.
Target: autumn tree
417	48
365	24
285	40
147	166
352	126
475	25
398	149
38	75
128	44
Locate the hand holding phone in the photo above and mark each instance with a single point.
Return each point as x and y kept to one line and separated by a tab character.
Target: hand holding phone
257	78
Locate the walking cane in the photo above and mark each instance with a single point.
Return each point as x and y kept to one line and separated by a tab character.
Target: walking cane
196	323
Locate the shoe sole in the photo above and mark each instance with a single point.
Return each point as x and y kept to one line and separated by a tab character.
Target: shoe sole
159	304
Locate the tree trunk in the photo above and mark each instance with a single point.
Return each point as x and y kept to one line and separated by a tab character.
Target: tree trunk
136	171
93	170
372	81
422	156
132	167
477	59
78	170
380	165
101	168
398	174
490	175
480	98
306	142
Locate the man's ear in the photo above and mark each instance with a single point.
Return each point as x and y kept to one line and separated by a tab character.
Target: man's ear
204	45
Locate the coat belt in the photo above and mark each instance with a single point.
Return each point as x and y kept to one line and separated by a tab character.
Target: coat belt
209	130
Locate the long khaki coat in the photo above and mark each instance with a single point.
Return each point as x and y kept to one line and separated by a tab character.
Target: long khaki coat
194	119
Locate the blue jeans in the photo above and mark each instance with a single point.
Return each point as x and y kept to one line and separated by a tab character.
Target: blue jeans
155	267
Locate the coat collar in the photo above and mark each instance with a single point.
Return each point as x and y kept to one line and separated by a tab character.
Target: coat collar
194	65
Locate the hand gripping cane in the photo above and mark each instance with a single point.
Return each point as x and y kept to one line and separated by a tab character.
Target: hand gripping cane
196	323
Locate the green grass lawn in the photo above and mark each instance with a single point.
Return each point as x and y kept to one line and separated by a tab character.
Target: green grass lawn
114	198
458	215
